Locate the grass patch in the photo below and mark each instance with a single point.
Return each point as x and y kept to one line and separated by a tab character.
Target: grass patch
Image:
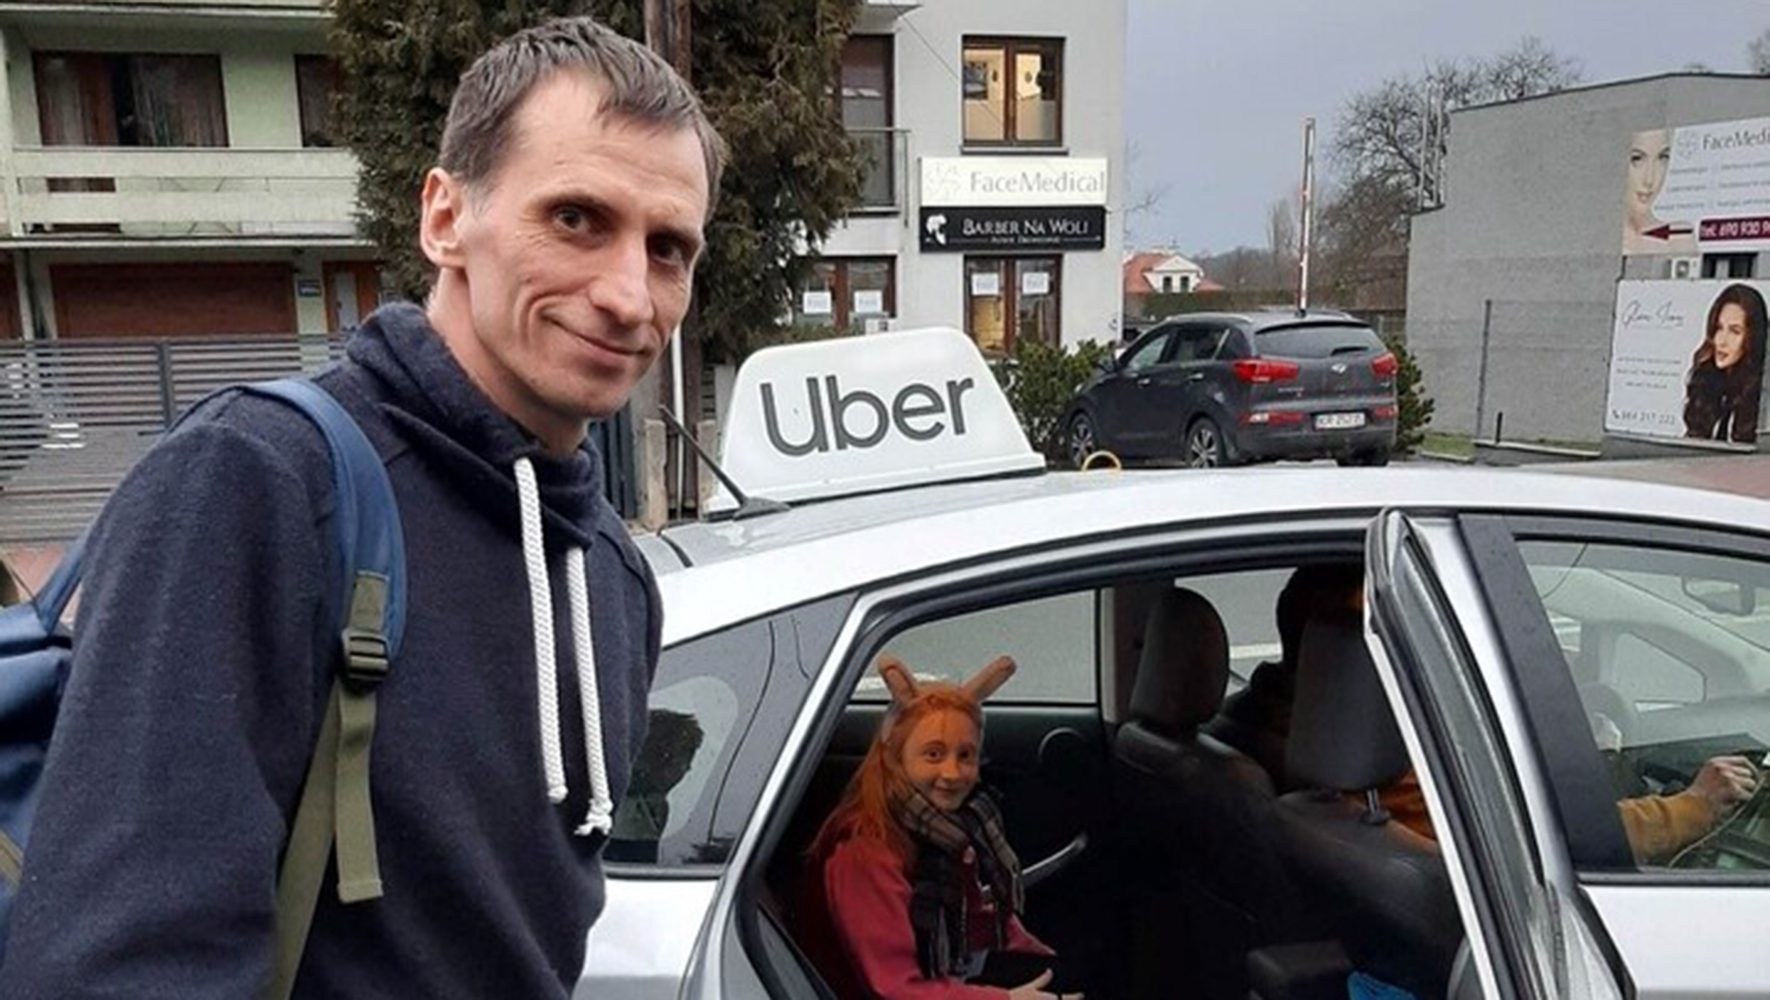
1454	445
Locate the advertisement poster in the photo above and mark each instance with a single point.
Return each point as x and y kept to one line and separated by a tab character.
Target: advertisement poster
868	302
817	303
1687	360
1698	188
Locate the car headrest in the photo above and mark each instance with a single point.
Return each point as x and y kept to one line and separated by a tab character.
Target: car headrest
1343	734
1185	664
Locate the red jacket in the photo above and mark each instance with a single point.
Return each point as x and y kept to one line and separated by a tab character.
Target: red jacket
854	924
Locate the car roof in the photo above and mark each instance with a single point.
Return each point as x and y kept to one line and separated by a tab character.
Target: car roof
1261	320
716	574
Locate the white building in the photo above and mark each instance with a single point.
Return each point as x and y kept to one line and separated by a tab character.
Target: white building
168	169
997	133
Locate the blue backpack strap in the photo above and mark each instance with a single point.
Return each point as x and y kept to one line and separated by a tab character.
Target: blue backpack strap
335	815
370	539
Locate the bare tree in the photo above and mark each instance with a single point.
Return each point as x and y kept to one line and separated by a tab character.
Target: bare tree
1144	198
1389	147
1759	53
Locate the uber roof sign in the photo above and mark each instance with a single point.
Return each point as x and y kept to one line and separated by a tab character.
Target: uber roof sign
858	414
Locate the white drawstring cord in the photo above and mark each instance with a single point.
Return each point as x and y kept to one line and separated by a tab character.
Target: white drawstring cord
534	555
601	813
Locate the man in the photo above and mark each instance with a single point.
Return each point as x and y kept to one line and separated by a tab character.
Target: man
1257	719
564	221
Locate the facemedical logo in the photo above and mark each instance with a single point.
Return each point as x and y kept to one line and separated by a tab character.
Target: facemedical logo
1039	182
1745	138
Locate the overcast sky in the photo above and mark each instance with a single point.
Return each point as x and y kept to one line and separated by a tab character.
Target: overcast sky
1216	92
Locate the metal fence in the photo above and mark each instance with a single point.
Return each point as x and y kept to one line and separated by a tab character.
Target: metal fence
76	415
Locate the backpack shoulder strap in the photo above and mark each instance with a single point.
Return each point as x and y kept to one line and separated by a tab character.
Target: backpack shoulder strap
335	807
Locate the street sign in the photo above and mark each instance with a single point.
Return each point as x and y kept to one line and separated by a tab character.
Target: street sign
1043	228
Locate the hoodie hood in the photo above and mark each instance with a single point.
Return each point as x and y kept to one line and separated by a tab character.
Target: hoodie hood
449	419
551	502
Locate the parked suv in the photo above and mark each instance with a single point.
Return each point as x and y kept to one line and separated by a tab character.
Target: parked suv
1222	389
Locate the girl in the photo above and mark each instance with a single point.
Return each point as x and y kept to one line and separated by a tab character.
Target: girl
918	890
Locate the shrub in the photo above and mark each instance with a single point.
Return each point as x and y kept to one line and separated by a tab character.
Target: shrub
1040	381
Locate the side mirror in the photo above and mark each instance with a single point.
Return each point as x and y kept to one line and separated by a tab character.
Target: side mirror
1724	597
1106	364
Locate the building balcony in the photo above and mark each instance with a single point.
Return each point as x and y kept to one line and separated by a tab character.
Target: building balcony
884	151
75	194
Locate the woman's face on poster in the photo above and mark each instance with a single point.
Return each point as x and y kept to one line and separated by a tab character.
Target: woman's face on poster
1730	335
1649	157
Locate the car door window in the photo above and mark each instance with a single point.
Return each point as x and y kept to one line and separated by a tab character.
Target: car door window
720	705
1053	641
1672	668
1196	343
1148	353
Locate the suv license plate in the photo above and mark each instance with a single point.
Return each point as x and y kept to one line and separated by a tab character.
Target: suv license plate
1338	421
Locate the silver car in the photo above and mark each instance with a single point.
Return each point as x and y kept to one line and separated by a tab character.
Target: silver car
1550	657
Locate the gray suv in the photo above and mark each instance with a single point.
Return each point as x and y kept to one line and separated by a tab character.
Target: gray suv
1222	389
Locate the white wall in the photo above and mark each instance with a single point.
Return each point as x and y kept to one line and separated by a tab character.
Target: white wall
928	50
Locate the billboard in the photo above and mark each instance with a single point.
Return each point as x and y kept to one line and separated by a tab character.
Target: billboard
1698	188
1687	360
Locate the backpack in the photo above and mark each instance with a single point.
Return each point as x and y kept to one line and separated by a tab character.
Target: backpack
36	652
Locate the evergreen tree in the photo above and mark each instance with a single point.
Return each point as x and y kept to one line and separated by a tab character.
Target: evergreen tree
766	70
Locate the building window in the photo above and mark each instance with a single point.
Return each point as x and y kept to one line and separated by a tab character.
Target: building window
1013	92
1010	299
846	292
316	89
119	99
1728	265
867	114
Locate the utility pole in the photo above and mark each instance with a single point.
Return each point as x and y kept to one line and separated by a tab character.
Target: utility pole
668	32
1308	224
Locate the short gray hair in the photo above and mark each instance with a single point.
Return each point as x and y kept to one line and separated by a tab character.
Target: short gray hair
639	87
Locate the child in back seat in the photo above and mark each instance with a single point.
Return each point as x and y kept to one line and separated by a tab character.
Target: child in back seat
912	889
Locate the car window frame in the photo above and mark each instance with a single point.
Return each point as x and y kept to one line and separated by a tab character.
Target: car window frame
1164	551
1164	333
1555	716
1184	330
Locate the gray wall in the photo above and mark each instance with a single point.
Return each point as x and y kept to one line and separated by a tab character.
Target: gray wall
1533	220
928	44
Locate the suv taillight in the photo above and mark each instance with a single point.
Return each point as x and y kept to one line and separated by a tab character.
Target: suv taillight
1260	371
1385	366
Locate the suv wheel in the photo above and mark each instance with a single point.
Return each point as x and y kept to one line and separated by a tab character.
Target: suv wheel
1082	440
1204	445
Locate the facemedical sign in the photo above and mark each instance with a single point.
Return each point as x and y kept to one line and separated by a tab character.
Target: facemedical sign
861	414
1699	188
1063	228
1687	361
1013	181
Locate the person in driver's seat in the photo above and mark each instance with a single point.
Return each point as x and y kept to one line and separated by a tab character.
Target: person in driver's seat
912	890
1258	717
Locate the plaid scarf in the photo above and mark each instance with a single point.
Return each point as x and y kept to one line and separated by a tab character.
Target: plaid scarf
937	902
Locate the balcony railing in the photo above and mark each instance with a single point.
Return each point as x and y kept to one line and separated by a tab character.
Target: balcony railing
140	192
885	153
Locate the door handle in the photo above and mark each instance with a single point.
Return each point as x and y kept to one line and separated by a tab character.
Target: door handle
1145	380
1041	870
1196	377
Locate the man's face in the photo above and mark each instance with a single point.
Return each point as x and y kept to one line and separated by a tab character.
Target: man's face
576	257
